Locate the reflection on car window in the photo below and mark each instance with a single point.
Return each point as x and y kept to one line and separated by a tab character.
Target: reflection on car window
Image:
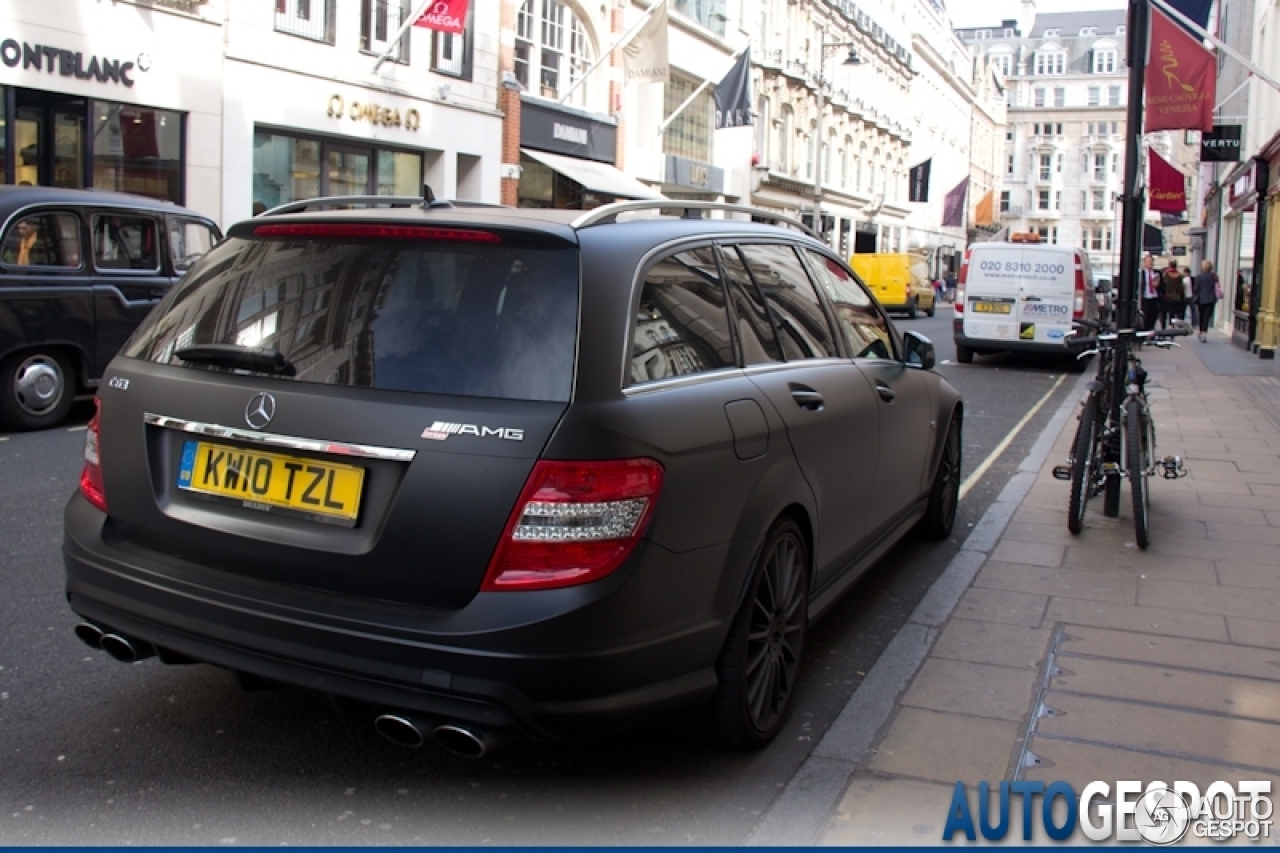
47	240
755	329
188	240
802	324
682	325
865	328
125	243
445	318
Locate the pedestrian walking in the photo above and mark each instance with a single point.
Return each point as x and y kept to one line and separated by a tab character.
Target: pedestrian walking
1170	295
1188	295
950	281
1149	282
1208	290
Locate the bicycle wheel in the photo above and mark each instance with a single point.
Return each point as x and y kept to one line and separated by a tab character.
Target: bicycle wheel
1082	454
1136	452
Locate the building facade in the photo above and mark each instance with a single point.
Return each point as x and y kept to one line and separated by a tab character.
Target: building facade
1067	93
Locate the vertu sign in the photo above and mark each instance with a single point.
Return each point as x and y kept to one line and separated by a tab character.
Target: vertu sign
1222	145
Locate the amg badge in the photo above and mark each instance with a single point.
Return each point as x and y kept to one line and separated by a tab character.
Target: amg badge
440	430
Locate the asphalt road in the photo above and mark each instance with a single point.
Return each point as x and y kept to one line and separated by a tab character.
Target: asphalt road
97	752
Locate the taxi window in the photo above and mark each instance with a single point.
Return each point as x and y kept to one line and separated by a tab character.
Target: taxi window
44	240
188	240
122	242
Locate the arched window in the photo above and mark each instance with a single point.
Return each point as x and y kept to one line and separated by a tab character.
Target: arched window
846	154
782	145
762	130
552	50
809	142
858	166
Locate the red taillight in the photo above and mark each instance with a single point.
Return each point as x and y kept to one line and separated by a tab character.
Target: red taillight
91	476
958	305
381	232
575	522
1077	309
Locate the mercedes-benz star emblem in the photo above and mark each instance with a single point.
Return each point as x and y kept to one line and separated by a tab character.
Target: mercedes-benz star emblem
260	411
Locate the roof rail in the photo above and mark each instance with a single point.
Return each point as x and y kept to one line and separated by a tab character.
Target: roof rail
609	212
368	201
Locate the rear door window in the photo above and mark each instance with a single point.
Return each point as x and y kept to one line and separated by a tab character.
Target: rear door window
682	322
189	239
125	242
865	328
797	313
44	240
403	315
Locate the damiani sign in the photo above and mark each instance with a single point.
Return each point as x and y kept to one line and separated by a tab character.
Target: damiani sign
447	16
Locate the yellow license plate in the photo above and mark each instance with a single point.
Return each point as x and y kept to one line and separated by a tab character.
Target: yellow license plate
324	491
992	308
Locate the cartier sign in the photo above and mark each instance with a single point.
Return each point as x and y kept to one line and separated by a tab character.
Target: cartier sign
373	113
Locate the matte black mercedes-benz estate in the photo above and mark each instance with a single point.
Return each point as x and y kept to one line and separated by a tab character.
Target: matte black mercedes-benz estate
494	470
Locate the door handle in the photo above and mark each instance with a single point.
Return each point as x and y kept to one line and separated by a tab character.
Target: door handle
886	393
807	398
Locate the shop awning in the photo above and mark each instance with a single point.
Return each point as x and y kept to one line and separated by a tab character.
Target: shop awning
594	175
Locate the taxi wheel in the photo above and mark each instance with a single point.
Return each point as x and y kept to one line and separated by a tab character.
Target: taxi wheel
36	389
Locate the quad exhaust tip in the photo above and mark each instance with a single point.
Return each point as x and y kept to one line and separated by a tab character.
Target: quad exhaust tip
90	634
126	649
401	729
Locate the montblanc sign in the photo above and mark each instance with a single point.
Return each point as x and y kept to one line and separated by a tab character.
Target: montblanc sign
66	63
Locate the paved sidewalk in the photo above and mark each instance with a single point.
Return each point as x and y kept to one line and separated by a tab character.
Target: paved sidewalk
1082	658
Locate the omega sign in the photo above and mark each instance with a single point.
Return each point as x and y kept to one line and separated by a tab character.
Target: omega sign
68	63
373	113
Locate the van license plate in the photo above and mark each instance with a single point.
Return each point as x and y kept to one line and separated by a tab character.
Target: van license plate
322	491
991	308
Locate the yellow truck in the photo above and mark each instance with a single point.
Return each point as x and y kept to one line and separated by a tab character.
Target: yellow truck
899	280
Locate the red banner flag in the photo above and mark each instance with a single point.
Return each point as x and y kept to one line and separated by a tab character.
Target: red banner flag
447	16
1181	79
1168	186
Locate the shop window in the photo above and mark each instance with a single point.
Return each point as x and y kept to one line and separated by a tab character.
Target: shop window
552	51
288	168
380	20
125	243
306	18
689	134
137	150
47	240
709	13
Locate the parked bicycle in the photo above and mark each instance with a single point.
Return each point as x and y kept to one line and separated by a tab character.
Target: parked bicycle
1116	439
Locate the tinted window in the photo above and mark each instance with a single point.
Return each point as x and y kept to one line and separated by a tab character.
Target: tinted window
802	325
755	330
865	329
125	243
47	240
682	325
448	318
188	240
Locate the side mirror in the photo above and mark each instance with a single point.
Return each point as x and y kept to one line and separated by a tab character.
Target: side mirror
917	351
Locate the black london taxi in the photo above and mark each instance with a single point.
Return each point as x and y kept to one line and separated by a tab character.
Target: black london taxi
79	270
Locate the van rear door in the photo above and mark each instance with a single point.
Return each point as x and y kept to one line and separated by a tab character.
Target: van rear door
993	291
1047	295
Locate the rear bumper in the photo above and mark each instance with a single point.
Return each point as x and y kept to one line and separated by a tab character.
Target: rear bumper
996	345
557	664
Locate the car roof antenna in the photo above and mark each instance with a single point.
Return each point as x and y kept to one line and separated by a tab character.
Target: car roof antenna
429	200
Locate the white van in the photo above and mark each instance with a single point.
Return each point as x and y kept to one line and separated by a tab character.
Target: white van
1020	296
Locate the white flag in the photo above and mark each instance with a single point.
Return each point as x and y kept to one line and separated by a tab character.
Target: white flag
644	58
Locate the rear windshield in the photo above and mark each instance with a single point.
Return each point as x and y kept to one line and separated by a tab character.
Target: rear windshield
445	318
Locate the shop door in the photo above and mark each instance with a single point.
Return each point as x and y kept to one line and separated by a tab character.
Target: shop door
348	171
49	139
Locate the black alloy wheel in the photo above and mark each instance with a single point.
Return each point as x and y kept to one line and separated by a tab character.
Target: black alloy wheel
761	657
1082	473
944	497
1137	453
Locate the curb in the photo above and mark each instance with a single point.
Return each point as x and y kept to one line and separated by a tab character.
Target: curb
800	813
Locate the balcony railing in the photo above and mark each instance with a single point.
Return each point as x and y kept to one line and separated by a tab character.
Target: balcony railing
306	18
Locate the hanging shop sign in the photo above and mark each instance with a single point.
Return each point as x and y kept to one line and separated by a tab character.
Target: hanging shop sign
68	63
1222	145
377	114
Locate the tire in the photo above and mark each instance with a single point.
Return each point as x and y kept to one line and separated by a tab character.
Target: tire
911	309
944	497
1082	459
933	308
37	388
760	660
964	355
1136	452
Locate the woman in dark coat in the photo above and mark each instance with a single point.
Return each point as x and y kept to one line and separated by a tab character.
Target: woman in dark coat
1206	291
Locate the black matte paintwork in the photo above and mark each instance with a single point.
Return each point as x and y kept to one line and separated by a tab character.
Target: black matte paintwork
391	612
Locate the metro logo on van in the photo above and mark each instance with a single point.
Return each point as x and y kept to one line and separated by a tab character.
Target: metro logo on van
1045	309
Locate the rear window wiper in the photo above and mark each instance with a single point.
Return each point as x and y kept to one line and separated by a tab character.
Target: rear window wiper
238	357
